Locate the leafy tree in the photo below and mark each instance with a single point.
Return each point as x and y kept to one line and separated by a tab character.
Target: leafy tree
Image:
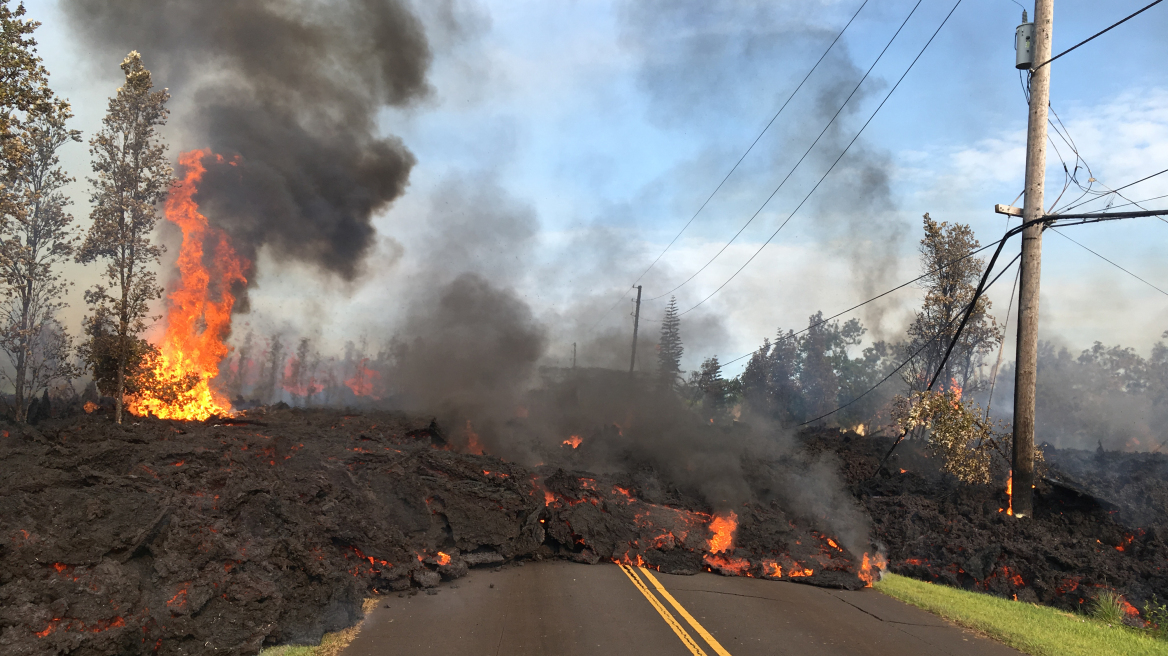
670	349
712	391
132	177
770	382
949	287
23	88
824	357
36	236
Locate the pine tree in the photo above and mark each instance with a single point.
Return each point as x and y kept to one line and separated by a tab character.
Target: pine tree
132	177
35	238
670	349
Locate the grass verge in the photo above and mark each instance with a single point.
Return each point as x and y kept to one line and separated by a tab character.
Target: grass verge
1036	630
330	645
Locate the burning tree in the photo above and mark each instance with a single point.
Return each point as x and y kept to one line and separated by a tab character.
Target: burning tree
132	177
36	235
950	282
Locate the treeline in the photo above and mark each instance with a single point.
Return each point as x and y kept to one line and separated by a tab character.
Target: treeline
821	374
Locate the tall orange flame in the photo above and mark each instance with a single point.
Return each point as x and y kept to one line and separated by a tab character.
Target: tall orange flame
198	311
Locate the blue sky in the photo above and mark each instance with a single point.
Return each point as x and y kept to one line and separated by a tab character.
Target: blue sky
598	128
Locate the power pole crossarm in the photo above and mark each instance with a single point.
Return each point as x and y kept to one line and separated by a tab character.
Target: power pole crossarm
1027	357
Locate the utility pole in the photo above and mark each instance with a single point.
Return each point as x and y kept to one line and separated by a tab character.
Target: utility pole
1027	356
573	356
636	324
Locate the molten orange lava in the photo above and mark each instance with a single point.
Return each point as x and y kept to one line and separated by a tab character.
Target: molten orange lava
573	441
443	558
198	311
723	529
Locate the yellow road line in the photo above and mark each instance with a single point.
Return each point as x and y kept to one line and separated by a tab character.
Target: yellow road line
686	638
684	613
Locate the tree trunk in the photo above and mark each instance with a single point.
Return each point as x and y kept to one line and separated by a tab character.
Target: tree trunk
121	388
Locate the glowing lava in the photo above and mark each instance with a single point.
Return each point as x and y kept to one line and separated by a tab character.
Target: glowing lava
573	441
198	311
723	529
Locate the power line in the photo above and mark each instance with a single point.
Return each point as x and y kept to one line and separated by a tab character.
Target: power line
1097	34
1114	191
740	159
1110	262
833	165
874	298
796	166
934	338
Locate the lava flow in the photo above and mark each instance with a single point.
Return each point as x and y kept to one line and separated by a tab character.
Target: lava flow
198	311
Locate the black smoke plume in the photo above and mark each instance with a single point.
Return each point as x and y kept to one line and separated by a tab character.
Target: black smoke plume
293	90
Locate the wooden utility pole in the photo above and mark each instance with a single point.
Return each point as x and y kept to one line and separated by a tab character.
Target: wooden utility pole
573	355
1027	357
636	324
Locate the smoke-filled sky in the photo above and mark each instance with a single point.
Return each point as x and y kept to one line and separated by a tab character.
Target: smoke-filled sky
556	148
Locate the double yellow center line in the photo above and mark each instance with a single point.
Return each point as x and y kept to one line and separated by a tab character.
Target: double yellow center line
686	639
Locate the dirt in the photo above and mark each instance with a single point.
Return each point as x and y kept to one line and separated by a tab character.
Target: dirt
161	537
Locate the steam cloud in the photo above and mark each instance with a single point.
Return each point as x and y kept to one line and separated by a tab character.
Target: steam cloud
293	89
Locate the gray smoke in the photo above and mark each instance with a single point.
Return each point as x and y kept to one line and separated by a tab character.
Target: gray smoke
730	62
292	89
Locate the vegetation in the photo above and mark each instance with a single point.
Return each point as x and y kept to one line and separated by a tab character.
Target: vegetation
669	348
951	278
36	236
1033	629
133	175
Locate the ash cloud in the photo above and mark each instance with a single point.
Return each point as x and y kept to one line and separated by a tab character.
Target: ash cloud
293	90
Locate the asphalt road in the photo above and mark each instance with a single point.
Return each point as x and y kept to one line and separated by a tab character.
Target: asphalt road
565	608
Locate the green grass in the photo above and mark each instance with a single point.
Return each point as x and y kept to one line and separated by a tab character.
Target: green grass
1036	630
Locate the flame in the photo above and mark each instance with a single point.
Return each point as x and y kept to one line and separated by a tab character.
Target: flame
472	440
1010	493
573	441
364	379
859	430
956	389
89	407
198	312
872	568
723	529
548	498
443	558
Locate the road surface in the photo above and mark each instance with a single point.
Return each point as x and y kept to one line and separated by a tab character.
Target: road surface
569	609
